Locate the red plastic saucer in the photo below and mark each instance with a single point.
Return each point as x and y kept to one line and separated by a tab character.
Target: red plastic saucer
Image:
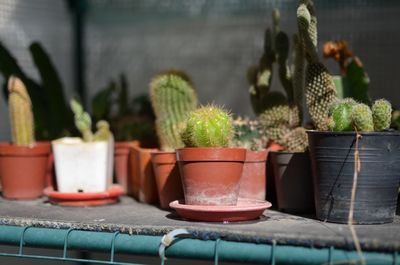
84	198
246	209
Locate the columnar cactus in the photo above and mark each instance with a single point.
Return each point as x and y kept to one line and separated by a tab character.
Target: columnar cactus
208	126
83	122
280	114
21	116
320	89
172	98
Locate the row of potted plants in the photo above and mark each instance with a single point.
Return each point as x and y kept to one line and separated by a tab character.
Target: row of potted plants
209	159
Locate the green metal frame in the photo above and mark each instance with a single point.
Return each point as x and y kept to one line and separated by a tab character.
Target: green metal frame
188	248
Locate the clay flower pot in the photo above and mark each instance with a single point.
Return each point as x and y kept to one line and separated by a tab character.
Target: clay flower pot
211	176
23	170
142	183
121	160
254	180
168	180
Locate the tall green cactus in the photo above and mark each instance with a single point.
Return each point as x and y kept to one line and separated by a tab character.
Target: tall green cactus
320	89
21	116
208	126
280	114
172	98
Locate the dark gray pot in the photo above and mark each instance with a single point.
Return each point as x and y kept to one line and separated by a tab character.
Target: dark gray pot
332	157
293	182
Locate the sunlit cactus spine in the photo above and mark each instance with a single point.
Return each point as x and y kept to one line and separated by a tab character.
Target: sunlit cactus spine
83	122
172	97
21	115
382	114
362	118
208	126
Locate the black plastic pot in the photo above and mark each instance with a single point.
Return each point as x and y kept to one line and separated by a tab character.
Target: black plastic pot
332	158
293	182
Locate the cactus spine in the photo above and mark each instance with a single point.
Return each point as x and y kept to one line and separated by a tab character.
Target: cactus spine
208	126
172	98
320	89
21	116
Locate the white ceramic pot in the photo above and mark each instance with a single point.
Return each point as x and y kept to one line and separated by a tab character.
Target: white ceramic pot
83	166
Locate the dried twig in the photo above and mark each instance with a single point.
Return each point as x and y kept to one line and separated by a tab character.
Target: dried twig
357	168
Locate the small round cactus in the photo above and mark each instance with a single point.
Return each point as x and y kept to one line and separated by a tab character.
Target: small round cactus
362	118
208	126
340	114
382	114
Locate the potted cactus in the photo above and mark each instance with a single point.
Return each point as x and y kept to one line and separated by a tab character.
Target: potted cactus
132	123
352	148
210	170
84	164
172	97
281	115
24	163
249	135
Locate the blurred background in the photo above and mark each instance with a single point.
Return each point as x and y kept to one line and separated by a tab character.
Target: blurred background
94	42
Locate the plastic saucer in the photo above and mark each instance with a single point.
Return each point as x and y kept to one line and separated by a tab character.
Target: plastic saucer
84	198
246	209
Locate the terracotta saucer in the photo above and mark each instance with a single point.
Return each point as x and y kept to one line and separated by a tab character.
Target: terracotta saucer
84	198
246	209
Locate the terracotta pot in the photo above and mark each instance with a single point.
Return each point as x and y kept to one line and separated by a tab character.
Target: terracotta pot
121	158
253	182
23	170
142	183
168	180
211	176
293	181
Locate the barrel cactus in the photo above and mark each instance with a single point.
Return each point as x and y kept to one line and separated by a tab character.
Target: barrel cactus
248	134
382	114
348	115
21	115
172	97
208	126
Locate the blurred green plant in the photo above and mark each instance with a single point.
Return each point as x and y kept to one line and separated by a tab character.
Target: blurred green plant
52	116
130	119
353	81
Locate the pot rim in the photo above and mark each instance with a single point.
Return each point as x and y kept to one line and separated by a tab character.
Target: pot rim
348	133
287	152
40	148
231	154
